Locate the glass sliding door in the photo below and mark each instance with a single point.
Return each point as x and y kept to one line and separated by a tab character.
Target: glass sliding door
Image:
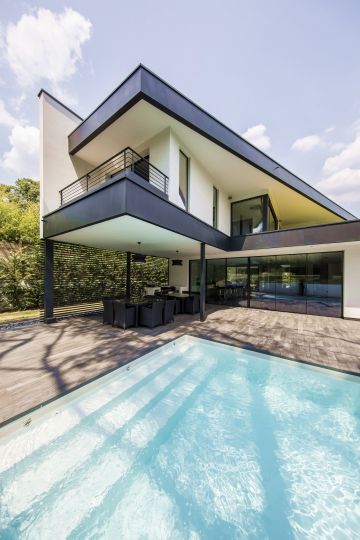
291	283
263	282
194	276
216	281
237	282
324	284
302	283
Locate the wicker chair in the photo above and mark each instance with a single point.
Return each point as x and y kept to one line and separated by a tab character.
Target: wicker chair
124	315
151	315
108	313
169	311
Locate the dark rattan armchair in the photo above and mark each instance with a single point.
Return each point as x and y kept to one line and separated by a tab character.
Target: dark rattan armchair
124	315
169	311
151	315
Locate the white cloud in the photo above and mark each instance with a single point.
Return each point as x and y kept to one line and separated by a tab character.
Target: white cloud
341	173
348	157
305	144
46	46
344	185
6	118
23	156
257	136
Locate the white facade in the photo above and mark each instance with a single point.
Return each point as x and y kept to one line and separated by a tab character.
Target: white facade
209	167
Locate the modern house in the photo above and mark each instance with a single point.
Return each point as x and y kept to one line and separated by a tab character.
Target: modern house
148	165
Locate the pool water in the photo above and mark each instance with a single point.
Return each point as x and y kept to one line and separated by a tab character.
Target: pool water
195	440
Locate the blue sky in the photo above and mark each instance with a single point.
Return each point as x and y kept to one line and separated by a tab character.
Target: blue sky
283	73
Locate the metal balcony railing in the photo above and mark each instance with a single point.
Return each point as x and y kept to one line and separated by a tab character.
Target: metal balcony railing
127	159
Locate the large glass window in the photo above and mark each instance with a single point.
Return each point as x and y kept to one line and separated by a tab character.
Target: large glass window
194	281
247	216
301	283
184	179
237	281
291	283
324	284
253	216
262	282
216	281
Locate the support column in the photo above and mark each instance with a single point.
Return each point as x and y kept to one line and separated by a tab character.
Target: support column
128	274
202	282
49	282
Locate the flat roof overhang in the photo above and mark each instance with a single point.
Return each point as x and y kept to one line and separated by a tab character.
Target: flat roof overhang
142	84
97	218
91	218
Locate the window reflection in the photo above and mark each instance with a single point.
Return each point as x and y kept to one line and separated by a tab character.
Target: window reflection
291	283
253	215
262	282
300	283
324	286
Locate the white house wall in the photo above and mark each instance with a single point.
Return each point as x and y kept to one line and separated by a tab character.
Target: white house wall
179	275
352	282
57	167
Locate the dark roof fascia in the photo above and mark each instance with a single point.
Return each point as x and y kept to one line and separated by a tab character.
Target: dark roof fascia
129	194
144	84
42	91
332	233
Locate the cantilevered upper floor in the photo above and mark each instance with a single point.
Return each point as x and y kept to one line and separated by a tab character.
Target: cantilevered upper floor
148	128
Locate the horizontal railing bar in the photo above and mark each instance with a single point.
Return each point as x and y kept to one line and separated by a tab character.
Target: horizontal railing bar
120	161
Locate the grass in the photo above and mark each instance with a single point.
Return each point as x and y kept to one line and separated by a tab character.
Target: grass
14	316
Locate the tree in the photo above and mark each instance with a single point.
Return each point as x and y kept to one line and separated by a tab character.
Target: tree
19	212
25	191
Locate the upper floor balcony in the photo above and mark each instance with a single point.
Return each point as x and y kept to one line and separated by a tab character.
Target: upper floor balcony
127	159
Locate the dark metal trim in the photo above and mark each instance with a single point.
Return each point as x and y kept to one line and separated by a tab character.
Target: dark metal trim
187	202
128	274
202	283
49	282
129	195
143	84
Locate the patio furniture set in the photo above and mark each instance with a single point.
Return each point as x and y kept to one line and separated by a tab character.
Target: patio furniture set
149	311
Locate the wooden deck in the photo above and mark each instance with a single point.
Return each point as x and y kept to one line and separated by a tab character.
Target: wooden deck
41	362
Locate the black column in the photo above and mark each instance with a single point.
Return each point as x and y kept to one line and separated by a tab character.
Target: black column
202	282
128	274
49	283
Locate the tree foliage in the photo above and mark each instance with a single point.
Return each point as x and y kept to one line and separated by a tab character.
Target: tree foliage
19	212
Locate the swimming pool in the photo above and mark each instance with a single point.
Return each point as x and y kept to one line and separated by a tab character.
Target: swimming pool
194	440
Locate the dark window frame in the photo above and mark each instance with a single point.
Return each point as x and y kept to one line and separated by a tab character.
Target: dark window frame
186	202
266	205
248	306
215	208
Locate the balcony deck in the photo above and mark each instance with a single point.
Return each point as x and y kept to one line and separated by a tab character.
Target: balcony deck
41	362
127	159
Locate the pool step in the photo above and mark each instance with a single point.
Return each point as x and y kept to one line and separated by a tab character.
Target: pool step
27	490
